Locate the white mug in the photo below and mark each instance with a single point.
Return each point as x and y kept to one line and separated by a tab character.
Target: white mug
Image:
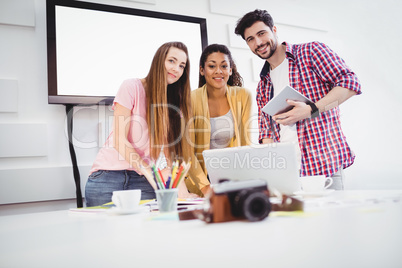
126	199
315	183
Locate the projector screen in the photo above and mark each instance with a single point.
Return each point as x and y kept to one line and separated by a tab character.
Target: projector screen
92	47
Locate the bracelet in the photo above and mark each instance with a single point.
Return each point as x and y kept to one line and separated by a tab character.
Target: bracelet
314	110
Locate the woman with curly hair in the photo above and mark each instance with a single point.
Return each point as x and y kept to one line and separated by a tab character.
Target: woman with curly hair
221	111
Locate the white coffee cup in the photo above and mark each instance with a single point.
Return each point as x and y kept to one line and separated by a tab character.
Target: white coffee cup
126	199
315	183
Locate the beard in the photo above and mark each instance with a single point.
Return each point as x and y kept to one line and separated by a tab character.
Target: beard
272	45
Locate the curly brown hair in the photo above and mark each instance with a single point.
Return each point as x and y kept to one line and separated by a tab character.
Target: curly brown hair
235	79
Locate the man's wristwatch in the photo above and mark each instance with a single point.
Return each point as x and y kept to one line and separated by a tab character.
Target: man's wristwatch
314	110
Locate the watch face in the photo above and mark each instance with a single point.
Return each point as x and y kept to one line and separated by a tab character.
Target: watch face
315	114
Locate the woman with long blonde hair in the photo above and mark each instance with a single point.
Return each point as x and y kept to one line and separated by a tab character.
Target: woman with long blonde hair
150	118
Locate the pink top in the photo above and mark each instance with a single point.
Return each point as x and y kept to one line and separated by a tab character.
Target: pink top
132	96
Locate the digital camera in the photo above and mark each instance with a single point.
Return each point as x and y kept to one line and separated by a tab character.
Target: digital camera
237	200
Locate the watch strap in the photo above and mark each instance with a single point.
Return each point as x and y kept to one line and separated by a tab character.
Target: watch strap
314	110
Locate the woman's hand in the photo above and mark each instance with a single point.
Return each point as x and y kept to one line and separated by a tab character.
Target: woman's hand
183	192
147	172
205	190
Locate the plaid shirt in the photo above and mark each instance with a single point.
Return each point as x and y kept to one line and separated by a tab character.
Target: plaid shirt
314	69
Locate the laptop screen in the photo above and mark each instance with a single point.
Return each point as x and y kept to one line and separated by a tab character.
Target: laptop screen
276	163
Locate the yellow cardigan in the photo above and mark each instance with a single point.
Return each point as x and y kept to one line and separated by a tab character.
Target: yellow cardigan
239	100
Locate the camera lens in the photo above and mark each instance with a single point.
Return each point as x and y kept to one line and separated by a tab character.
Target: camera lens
254	206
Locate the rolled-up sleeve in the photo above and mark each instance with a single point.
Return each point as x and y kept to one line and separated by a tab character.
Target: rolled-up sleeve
332	68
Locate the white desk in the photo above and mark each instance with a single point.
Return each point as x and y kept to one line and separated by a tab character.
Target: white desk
345	229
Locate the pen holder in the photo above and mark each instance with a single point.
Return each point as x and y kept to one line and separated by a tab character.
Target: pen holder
167	199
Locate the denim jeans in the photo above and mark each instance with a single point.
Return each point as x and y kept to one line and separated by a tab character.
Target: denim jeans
102	183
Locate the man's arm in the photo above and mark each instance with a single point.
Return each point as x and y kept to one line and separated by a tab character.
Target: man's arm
265	141
334	98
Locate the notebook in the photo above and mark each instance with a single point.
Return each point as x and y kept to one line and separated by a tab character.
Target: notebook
276	163
278	104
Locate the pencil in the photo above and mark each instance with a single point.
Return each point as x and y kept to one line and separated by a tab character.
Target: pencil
157	177
160	174
174	169
184	173
178	176
156	181
174	172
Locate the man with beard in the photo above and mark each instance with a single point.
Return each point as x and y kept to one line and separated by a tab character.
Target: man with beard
318	73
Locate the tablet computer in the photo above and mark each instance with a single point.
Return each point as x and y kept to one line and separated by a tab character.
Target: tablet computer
278	104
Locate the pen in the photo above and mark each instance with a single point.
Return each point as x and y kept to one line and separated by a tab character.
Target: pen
168	182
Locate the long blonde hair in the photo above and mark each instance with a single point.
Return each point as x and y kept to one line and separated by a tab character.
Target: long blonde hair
168	107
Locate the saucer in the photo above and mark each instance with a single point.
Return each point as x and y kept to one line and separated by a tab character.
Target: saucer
319	193
119	211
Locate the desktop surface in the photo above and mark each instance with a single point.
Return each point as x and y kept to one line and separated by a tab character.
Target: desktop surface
342	229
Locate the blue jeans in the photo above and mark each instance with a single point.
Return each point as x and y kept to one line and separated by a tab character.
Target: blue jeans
102	183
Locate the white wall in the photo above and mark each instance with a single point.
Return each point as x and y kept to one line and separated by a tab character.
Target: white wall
35	164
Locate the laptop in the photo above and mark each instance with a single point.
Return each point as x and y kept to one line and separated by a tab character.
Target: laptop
276	163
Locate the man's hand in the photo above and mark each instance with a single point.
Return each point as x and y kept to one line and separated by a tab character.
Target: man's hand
299	112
